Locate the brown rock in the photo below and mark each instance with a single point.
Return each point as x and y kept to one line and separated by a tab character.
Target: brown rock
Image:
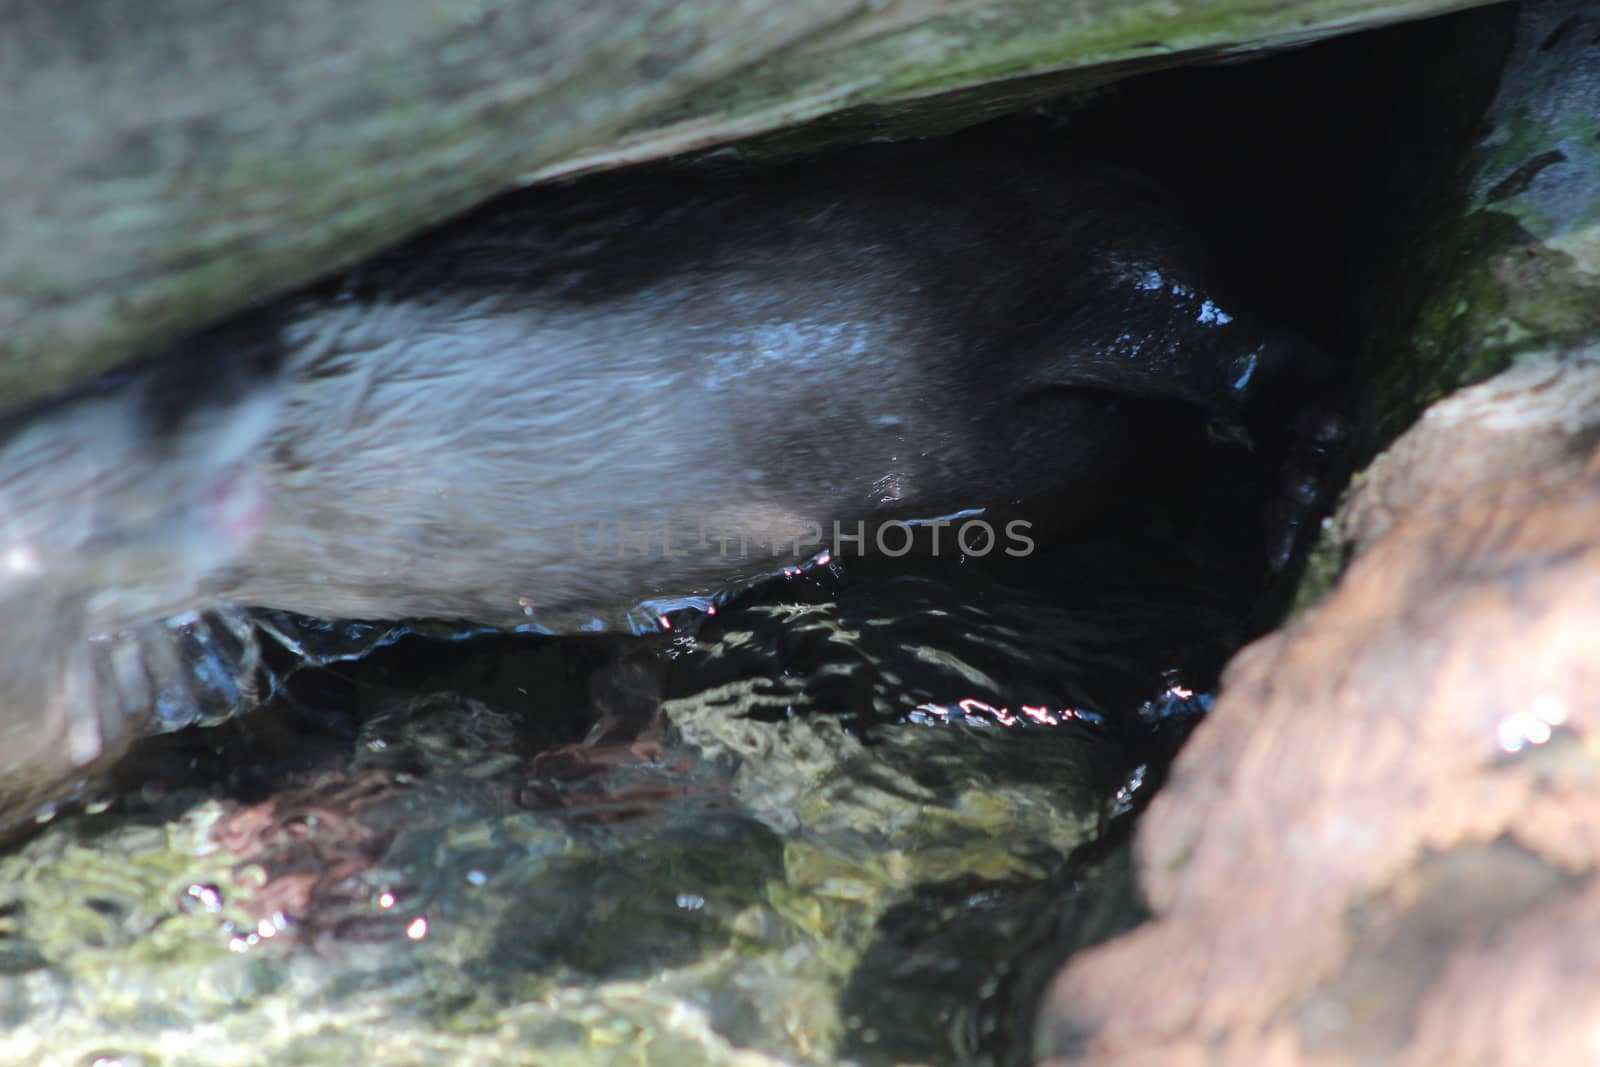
1376	849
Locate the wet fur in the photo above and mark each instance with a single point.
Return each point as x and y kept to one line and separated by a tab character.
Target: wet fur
888	333
105	530
894	333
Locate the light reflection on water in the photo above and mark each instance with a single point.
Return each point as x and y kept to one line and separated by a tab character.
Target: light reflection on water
858	808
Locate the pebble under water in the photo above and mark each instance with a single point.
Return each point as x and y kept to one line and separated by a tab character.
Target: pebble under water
853	840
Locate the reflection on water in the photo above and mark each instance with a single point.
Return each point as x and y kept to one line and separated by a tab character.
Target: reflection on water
847	832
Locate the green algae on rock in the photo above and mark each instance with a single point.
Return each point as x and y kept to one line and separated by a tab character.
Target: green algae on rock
1496	220
1512	260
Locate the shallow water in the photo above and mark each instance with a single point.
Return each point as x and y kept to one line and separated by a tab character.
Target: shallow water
852	839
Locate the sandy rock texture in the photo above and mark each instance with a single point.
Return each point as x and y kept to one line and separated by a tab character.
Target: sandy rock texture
1379	849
